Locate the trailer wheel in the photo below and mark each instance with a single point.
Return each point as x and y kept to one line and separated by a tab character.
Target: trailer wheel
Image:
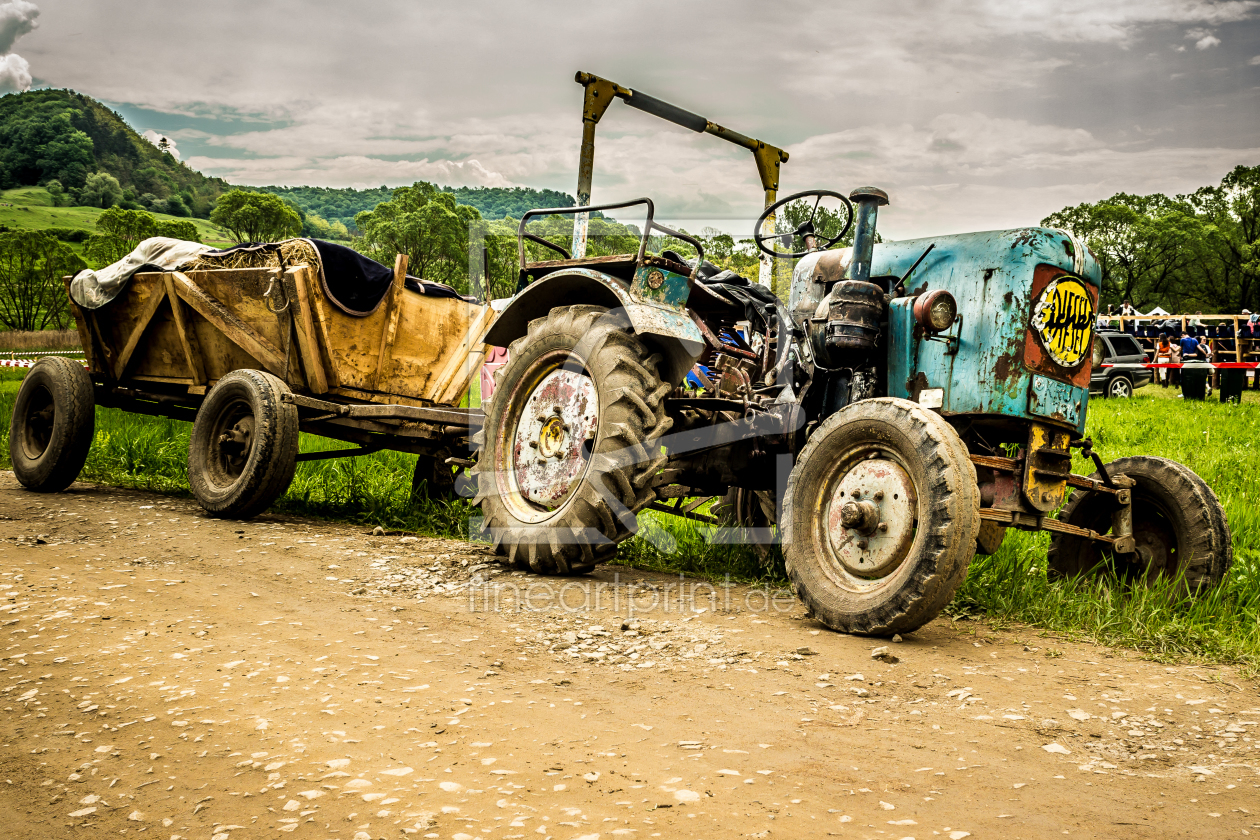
568	449
753	510
244	444
1178	524
54	420
433	478
881	518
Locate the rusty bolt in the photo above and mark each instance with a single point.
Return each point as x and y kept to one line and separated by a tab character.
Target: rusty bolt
542	418
883	526
557	410
879	495
862	543
533	444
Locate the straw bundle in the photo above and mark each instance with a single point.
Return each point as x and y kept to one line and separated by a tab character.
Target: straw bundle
294	252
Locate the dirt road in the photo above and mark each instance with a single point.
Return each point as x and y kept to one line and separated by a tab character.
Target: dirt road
183	677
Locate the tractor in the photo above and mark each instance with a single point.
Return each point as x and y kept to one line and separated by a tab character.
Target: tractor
908	404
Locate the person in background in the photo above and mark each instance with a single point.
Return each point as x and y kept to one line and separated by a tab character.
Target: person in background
1250	331
1174	358
1163	353
1127	312
1104	319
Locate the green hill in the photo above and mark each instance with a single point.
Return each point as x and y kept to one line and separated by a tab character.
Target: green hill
62	135
31	208
492	202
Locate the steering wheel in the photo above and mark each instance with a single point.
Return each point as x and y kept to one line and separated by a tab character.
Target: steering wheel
806	230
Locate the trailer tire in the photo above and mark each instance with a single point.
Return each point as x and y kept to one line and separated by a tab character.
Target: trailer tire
1178	523
243	449
595	392
435	479
905	467
54	421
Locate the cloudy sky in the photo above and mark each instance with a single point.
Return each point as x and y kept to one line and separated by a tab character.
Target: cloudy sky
972	115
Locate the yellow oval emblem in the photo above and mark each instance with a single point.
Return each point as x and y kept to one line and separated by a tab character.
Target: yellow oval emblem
1064	318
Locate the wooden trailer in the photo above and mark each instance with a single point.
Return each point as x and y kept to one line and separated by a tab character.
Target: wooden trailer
252	356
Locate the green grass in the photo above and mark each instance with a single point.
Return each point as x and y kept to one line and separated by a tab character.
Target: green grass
33	210
1220	442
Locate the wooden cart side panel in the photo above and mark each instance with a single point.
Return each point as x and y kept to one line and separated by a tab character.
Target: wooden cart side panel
238	327
432	346
90	350
389	327
313	364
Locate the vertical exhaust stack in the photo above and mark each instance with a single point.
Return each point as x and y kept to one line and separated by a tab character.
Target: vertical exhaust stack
868	200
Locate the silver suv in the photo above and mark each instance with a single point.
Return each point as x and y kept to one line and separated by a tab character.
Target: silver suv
1121	371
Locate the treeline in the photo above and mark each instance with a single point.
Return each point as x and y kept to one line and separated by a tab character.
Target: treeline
343	205
1186	253
86	155
33	263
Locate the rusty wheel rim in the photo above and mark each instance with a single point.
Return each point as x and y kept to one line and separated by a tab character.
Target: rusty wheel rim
870	519
547	437
231	442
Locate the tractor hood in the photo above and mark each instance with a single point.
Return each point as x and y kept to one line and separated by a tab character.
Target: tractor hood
1027	305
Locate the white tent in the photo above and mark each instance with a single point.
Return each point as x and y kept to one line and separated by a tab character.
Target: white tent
1159	310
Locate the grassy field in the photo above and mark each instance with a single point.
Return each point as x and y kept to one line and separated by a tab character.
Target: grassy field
1220	442
32	209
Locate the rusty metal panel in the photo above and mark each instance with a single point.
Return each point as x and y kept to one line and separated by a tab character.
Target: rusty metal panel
1047	466
658	285
991	275
1057	400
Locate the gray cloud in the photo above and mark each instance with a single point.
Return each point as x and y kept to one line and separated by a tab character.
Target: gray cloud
15	73
17	18
973	114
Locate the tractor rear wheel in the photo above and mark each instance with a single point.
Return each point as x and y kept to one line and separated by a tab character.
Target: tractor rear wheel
881	518
569	444
1178	524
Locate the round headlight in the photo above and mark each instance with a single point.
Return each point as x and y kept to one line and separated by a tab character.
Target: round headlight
1096	358
936	310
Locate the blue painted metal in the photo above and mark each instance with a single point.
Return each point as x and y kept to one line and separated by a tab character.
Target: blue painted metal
1055	400
657	285
990	274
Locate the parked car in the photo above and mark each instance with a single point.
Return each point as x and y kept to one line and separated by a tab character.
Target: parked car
1122	370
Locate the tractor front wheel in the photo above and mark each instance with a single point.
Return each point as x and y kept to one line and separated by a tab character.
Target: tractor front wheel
881	518
1178	524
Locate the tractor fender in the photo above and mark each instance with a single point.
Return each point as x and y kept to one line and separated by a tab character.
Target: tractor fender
669	331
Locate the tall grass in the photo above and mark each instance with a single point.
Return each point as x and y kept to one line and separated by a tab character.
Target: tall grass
1220	442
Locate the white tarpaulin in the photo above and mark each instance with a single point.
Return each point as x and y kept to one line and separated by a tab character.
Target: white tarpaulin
1159	310
93	289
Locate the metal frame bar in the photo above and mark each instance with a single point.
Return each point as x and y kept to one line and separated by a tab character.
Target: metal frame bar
649	225
599	95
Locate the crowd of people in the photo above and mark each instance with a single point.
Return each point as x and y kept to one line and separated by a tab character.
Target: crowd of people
1177	339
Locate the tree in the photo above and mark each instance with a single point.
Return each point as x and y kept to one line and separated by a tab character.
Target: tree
173	229
255	217
428	226
1143	244
1226	261
32	292
120	232
100	190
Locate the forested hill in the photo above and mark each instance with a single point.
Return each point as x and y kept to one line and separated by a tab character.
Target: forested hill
492	202
509	202
64	136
